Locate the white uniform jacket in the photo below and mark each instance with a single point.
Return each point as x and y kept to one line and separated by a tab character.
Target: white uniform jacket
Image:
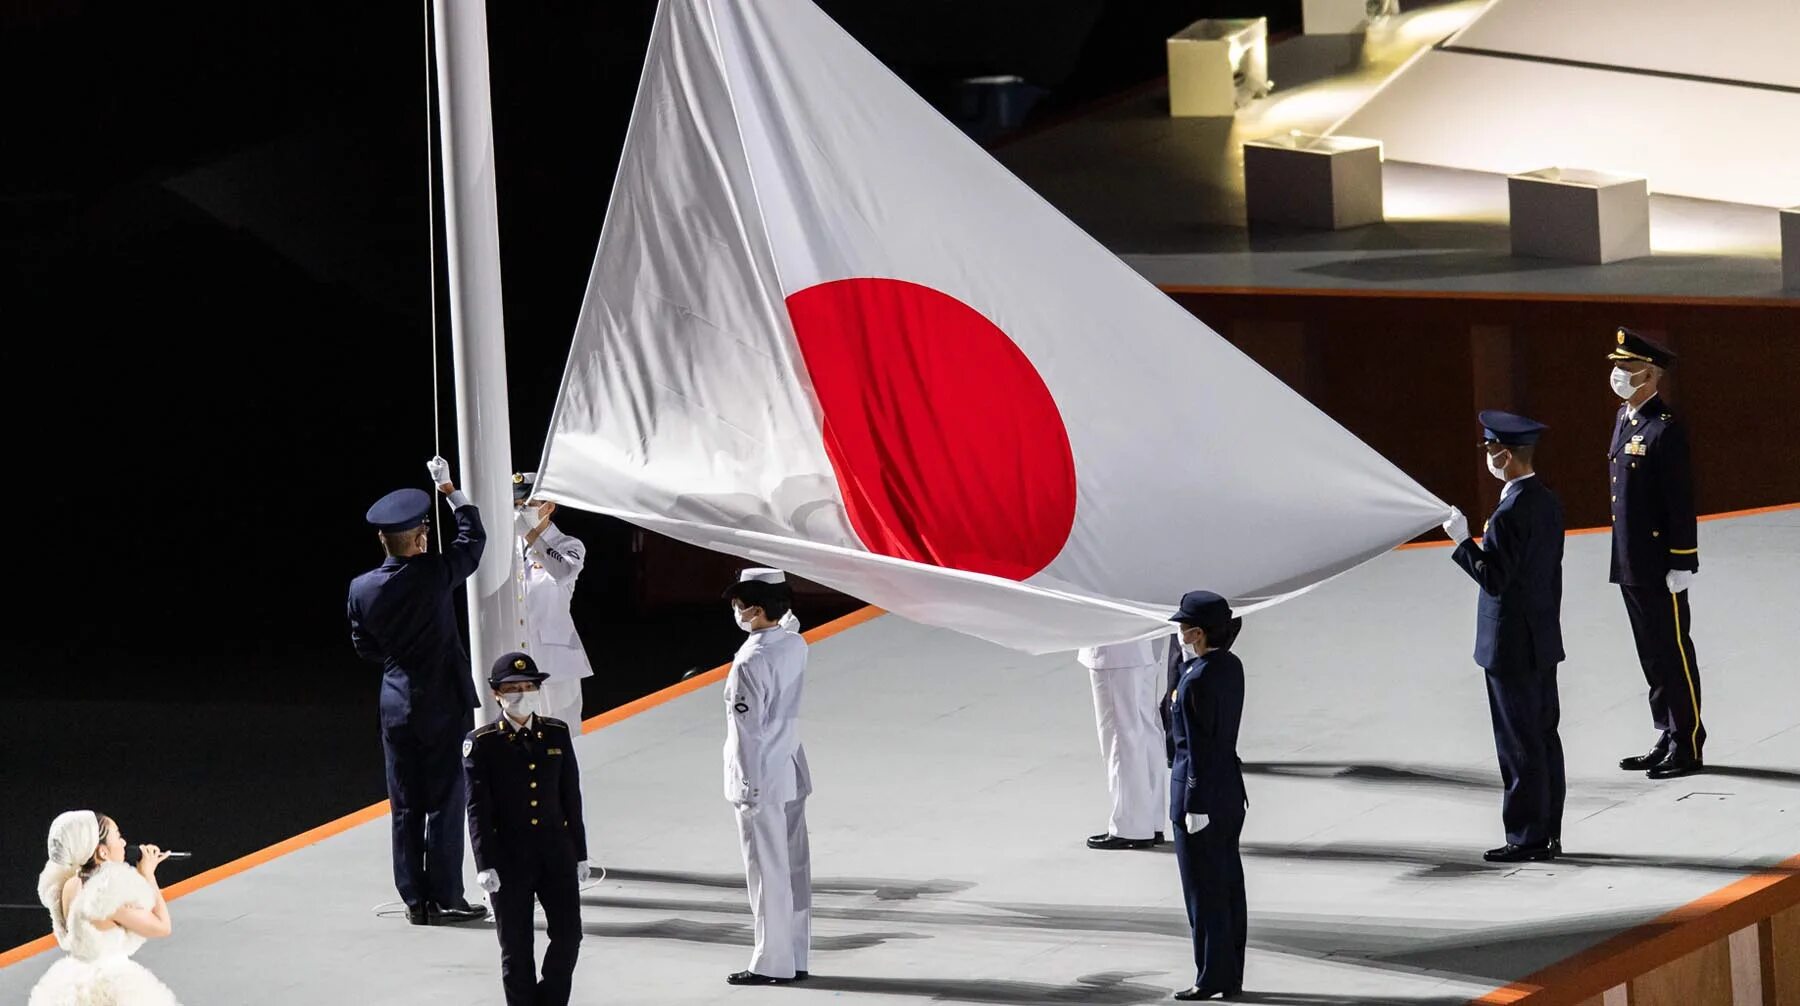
764	760
544	573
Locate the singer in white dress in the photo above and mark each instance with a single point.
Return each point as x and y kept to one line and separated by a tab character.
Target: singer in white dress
102	911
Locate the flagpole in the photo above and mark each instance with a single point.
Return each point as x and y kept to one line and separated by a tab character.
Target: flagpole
477	326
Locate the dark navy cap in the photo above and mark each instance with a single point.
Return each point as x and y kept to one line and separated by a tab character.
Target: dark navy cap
523	483
400	510
1513	431
1203	609
1629	345
515	666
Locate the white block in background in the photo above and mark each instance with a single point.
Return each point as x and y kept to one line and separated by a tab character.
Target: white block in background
1218	66
1790	248
1323	182
1343	17
1579	215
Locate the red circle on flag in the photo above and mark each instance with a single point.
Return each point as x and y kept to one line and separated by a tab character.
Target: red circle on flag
947	445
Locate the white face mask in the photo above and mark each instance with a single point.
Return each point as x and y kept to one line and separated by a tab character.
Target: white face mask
1623	384
1496	469
520	705
743	620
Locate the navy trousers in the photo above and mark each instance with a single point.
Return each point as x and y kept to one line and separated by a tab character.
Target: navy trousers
1212	879
554	886
429	801
1659	623
1526	710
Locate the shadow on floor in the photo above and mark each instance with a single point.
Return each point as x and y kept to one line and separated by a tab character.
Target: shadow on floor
1101	989
883	889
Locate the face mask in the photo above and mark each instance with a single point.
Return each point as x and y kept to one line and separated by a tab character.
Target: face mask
742	619
1496	469
1623	384
520	705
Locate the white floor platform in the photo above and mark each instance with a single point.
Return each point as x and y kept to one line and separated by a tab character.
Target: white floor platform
957	780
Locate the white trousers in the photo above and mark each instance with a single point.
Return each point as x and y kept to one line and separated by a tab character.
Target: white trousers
1131	740
562	700
778	868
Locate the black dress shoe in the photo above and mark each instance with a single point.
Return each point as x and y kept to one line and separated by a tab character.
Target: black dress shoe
752	978
1510	853
1158	839
1555	847
418	915
1678	763
444	915
1197	993
1638	763
801	976
1106	841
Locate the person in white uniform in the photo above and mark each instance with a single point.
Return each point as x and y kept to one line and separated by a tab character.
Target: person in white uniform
766	778
1128	686
546	564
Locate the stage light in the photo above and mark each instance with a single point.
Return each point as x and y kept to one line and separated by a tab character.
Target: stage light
1218	66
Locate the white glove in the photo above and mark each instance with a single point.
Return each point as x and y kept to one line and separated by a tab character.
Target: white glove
746	806
1457	527
581	872
1196	823
489	880
1679	580
439	470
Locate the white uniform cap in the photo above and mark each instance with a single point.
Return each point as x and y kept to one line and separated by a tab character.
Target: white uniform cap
763	575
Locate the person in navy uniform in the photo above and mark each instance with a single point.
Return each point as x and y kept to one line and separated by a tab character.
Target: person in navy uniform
1518	636
402	617
1655	553
527	831
1206	792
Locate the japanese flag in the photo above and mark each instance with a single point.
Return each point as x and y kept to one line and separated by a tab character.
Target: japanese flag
826	332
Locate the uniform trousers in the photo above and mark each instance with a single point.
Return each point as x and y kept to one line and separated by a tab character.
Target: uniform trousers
1132	741
428	799
553	885
1212	879
1525	709
1659	623
778	869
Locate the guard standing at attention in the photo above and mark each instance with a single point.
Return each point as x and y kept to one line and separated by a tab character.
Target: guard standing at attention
1206	793
1655	552
403	617
767	779
527	831
1518	635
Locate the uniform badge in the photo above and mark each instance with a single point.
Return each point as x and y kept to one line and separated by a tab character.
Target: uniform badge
468	745
554	751
742	707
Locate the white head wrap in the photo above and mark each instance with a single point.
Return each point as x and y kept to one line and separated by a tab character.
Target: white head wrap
74	838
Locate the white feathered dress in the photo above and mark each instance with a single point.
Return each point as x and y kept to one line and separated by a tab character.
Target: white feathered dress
98	970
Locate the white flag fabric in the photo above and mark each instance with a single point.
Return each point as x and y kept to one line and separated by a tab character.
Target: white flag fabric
826	332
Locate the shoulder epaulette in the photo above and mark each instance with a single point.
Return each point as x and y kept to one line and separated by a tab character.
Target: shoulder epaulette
1668	417
553	721
484	731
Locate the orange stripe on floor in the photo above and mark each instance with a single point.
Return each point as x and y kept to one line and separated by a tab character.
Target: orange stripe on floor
378	810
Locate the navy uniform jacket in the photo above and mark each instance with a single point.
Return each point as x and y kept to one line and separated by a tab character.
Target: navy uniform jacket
524	795
1208	705
1519	568
1653	526
403	617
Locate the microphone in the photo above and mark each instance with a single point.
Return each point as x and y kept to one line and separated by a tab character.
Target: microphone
133	853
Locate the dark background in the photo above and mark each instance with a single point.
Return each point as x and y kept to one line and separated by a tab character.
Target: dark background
218	352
